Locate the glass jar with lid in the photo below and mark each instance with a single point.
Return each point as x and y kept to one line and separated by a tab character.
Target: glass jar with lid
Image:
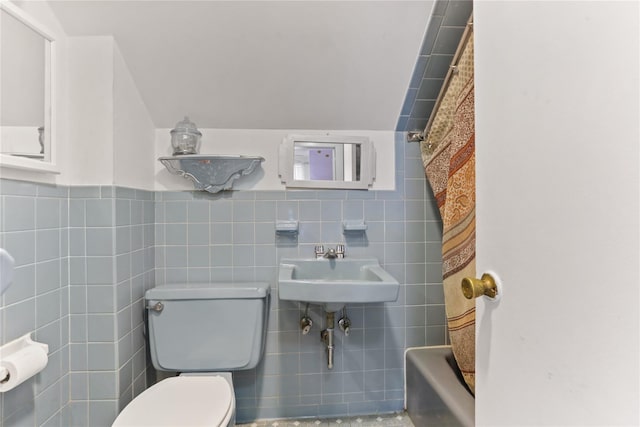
185	138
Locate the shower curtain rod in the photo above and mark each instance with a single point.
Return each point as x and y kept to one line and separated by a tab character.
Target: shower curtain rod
415	136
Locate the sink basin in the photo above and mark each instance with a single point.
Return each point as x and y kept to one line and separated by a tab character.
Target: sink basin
335	282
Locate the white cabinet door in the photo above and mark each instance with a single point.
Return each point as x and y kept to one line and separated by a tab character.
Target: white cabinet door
557	140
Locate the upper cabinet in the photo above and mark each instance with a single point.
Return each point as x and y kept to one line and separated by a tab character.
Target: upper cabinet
27	61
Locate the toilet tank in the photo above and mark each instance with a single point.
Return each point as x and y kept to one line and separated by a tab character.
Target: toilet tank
207	327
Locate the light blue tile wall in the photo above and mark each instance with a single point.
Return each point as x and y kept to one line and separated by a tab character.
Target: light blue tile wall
33	228
111	233
84	257
438	48
231	236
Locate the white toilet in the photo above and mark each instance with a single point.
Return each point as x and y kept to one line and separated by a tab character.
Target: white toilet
199	330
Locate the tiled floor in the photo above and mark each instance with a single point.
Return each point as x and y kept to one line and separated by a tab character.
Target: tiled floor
386	420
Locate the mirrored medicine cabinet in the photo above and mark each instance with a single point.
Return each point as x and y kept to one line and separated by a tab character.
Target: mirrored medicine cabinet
327	161
26	79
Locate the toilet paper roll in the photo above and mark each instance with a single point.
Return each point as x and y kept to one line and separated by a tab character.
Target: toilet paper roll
22	365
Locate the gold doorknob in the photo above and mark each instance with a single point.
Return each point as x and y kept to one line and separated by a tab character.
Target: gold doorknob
474	288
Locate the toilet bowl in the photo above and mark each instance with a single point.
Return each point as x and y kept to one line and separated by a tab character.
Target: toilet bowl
195	329
185	400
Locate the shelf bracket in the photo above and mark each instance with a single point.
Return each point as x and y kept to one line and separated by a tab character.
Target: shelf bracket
211	173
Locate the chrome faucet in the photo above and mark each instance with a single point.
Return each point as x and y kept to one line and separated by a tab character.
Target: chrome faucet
331	253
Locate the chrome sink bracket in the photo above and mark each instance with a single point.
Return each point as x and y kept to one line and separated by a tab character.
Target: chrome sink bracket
305	322
327	337
344	322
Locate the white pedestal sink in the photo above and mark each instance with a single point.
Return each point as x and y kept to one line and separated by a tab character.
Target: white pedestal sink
335	282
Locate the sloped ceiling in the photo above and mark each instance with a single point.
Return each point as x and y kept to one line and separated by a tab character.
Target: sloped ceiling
263	64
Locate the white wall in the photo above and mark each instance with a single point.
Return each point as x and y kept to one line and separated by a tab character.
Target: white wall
112	134
264	64
91	110
265	143
558	185
133	131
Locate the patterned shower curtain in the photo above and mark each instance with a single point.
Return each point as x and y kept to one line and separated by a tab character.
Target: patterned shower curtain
448	156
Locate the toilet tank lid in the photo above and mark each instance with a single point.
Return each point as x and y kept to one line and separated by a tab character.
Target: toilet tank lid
227	290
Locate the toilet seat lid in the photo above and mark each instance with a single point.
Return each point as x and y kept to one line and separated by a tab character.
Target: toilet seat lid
180	401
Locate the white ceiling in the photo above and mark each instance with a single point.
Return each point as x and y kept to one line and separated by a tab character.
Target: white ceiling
263	64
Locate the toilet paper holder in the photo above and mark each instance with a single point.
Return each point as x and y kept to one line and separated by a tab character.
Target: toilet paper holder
13	347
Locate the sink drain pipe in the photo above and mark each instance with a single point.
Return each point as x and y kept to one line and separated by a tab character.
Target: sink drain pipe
327	337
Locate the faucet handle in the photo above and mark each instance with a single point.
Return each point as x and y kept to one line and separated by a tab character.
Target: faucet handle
319	250
340	250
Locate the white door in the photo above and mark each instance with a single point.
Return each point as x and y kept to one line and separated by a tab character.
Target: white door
557	137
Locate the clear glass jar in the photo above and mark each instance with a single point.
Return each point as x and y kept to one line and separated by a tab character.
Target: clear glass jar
185	138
